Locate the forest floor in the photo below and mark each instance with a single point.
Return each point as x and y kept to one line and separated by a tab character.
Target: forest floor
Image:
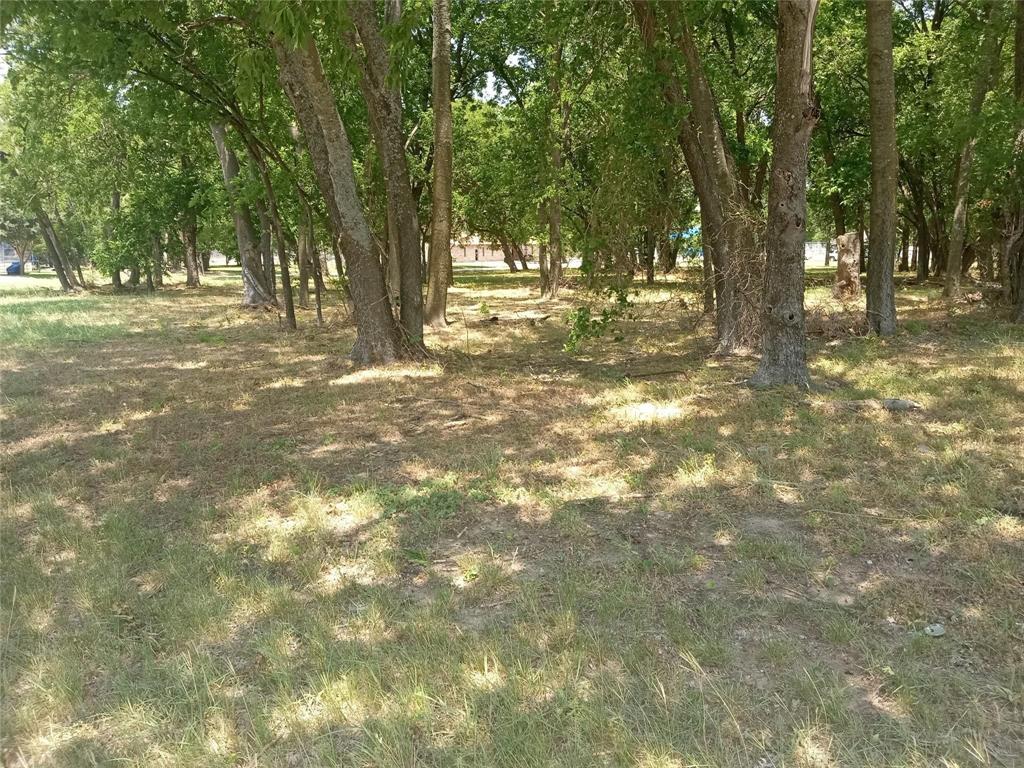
223	546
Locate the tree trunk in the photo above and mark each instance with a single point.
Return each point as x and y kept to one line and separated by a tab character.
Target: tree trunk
923	253
881	295
1012	250
71	269
862	250
266	249
741	269
544	258
302	257
53	248
280	237
904	250
847	282
783	340
115	207
307	88
509	254
385	108
983	76
518	249
728	223
189	241
314	262
440	256
255	292
667	255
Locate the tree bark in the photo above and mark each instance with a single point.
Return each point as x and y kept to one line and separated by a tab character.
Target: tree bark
53	248
71	269
384	104
279	236
302	258
518	249
509	254
439	260
115	207
728	223
305	84
983	76
922	249
156	274
266	248
1013	240
189	240
881	294
313	261
783	340
255	292
835	199
543	257
667	255
847	283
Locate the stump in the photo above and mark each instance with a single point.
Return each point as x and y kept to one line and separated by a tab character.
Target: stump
847	267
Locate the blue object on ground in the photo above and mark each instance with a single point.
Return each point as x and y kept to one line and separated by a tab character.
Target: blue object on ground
14	268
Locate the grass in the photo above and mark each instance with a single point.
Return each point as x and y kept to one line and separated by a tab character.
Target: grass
222	546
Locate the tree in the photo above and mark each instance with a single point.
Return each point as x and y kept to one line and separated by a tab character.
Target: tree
440	255
255	292
728	223
881	300
1013	240
983	75
384	105
303	79
20	230
783	342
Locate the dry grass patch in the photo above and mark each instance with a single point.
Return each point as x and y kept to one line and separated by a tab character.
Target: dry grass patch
224	546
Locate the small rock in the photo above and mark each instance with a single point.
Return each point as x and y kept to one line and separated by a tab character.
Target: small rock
935	630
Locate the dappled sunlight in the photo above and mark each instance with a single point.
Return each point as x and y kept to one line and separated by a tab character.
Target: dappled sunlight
484	674
814	749
647	412
337	703
307	562
288	382
388	373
